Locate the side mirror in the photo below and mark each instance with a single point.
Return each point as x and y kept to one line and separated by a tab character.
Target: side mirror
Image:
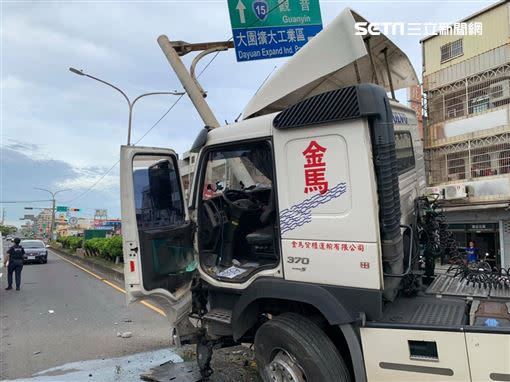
161	185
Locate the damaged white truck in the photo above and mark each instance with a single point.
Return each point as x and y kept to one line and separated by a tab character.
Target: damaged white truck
307	233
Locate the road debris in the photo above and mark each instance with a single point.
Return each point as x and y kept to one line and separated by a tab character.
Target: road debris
126	335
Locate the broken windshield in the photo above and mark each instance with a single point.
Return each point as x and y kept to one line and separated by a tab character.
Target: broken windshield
238	169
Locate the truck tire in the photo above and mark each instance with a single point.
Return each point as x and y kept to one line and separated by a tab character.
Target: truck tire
291	347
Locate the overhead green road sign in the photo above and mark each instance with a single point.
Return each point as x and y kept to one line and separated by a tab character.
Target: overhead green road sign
272	28
62	208
273	13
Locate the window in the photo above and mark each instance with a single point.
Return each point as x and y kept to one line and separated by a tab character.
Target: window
479	104
451	50
456	163
158	199
481	166
404	151
454	104
32	244
165	238
504	162
238	169
497	91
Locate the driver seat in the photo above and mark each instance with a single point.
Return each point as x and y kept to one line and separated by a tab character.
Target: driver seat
263	236
261	241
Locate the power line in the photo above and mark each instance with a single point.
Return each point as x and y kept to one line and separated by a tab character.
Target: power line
94	184
159	120
256	91
23	201
117	162
138	141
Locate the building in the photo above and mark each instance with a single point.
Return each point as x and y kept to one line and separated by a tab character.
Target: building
187	170
466	81
414	101
42	223
69	226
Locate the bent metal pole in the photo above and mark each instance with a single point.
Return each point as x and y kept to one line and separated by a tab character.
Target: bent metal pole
187	82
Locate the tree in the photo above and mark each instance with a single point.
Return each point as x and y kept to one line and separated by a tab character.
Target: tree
8	230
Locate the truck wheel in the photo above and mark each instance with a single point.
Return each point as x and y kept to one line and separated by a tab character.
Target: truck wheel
291	348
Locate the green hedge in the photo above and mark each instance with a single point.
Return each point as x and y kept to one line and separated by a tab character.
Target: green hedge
108	247
71	242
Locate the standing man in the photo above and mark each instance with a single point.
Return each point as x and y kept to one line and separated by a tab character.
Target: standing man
15	259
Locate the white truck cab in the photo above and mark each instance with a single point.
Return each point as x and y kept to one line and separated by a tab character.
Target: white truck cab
301	234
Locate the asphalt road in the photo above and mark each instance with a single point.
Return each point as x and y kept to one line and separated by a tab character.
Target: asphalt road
63	314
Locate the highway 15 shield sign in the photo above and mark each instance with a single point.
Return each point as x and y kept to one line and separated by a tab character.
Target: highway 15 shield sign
272	28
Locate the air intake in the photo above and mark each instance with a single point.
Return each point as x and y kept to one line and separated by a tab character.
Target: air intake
326	107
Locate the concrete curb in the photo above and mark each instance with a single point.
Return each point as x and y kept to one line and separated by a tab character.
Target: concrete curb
103	270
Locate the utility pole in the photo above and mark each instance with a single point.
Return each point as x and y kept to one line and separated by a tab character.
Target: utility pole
3	216
53	205
52	227
173	51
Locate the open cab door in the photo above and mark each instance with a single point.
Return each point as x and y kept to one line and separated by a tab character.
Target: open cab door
159	258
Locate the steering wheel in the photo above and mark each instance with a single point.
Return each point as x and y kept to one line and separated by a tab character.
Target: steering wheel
238	200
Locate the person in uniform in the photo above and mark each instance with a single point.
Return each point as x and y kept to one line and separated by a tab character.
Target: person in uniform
15	259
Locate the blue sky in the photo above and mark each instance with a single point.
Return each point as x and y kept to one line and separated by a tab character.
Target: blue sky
59	130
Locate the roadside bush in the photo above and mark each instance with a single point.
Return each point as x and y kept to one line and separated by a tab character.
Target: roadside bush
108	248
91	246
71	242
113	247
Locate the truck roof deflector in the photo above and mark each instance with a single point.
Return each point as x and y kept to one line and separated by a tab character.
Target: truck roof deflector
344	61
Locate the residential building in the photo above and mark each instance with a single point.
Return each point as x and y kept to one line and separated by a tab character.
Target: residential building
414	101
466	81
42	223
187	170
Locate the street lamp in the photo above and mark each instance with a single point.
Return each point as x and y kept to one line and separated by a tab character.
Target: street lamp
52	207
130	103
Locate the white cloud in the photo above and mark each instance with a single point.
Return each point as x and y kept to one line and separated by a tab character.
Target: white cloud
22	32
11	82
86	178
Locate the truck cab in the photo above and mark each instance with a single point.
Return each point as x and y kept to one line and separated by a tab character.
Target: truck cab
300	225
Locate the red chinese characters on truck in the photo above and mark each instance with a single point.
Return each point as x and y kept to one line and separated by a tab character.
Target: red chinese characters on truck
315	168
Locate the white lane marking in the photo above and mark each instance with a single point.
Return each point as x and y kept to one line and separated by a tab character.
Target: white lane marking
147	304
